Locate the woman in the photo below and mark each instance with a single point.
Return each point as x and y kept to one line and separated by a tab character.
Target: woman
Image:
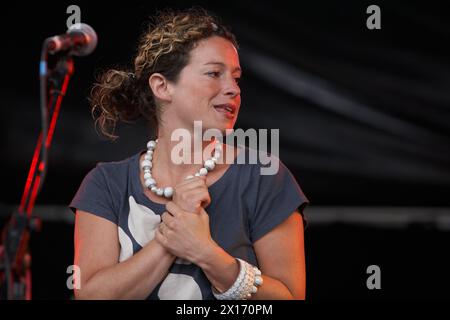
147	227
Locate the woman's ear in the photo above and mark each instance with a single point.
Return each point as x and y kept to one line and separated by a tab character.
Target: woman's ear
160	87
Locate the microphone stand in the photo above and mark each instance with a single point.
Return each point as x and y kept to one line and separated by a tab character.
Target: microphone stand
15	257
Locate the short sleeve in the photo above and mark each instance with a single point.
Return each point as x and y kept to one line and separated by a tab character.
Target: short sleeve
94	196
278	196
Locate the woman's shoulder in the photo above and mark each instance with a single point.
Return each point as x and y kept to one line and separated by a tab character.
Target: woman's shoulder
117	169
104	187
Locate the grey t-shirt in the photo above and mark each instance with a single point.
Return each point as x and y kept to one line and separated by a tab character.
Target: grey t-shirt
245	205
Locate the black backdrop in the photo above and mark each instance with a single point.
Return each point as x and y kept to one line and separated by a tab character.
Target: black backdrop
363	118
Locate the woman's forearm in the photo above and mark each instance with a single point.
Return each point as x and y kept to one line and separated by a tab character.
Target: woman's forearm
222	269
134	278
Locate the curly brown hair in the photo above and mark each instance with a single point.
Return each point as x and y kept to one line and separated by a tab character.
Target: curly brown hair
125	95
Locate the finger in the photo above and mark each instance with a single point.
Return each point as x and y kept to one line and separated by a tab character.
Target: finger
174	209
201	195
190	195
206	198
203	212
185	187
192	182
194	176
161	228
191	201
160	237
168	219
197	193
166	215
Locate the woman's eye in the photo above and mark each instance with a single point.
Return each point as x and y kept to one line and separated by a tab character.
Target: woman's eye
214	74
237	80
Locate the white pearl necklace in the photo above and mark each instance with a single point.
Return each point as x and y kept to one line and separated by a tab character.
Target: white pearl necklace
167	192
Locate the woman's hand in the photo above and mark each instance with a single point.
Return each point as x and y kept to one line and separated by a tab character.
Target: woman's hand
184	234
192	195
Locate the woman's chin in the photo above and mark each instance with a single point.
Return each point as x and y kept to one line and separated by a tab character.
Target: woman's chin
222	126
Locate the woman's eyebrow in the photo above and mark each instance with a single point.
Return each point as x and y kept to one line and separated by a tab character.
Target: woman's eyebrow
236	69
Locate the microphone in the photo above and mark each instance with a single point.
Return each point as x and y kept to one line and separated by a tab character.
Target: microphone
79	40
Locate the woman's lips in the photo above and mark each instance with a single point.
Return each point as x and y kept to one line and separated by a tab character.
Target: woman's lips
227	110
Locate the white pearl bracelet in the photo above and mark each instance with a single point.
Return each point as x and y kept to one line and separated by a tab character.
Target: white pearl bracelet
246	284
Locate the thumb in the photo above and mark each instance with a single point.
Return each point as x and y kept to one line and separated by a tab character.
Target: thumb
203	213
205	203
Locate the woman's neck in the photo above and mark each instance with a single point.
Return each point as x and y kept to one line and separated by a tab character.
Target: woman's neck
173	161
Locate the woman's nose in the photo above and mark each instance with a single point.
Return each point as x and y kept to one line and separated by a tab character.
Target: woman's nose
232	88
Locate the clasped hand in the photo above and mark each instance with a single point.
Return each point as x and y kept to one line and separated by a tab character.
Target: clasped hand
184	230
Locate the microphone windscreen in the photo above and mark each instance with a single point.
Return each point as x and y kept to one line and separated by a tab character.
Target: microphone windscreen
89	34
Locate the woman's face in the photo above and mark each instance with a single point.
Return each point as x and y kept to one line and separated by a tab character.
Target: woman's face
207	88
